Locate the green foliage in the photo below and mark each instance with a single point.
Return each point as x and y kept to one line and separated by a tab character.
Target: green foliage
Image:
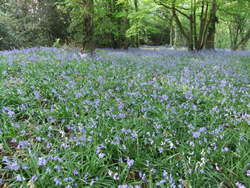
222	36
236	20
56	44
27	23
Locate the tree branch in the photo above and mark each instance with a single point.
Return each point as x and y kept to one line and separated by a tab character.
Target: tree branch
168	7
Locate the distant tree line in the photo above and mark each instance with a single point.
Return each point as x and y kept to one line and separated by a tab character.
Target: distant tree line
197	24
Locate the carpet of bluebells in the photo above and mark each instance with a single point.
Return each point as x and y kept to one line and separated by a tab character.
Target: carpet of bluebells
166	118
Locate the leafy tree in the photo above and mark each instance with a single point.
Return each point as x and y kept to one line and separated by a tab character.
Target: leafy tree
109	30
118	23
28	23
145	23
191	10
81	22
235	15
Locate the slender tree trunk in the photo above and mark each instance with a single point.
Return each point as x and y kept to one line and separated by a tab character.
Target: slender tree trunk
118	8
171	34
187	37
119	43
191	37
242	43
137	32
88	27
175	35
113	20
191	41
195	34
127	26
114	42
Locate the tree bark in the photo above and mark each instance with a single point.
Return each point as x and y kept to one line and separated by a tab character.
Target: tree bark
200	41
127	26
113	20
88	43
191	41
171	34
211	28
178	23
137	33
175	35
195	34
119	43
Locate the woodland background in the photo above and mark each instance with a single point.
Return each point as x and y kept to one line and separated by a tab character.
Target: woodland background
90	24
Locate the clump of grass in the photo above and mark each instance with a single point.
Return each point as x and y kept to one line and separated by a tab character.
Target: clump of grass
134	119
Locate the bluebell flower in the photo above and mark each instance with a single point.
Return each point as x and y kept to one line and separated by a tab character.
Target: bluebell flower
19	178
161	149
86	176
23	132
101	155
17	126
190	171
34	178
13	140
116	176
92	182
239	185
147	163
37	96
13	165
248	172
196	134
25	166
23	107
152	170
130	162
41	161
75	172
120	159
48	170
57	181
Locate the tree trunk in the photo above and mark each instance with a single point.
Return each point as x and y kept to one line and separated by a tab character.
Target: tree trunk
178	23
171	34
202	34
211	28
119	43
127	27
137	34
175	35
88	43
191	38
242	43
118	8
195	30
113	40
112	5
191	41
